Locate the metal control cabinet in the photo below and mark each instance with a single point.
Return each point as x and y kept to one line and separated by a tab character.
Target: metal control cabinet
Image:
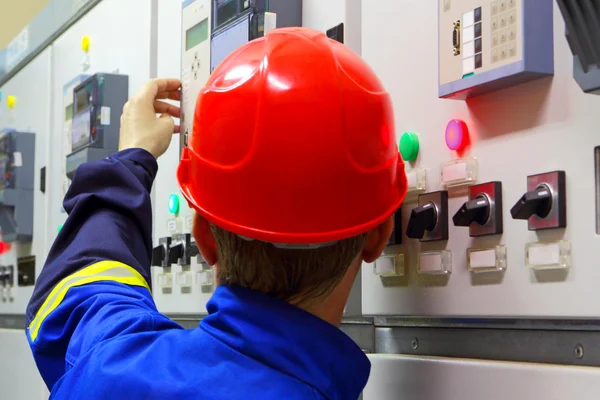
97	106
17	166
520	136
25	149
487	45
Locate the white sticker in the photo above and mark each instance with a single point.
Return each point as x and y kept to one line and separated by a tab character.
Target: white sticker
483	259
468	49
468	34
172	225
546	254
385	266
468	19
105	115
454	172
468	65
430	262
189	222
18	159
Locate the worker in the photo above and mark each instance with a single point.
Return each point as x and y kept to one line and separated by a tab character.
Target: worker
294	175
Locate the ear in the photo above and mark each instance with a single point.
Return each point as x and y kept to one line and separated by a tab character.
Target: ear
205	239
377	238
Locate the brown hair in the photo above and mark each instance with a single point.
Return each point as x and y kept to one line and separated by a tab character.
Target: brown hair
293	275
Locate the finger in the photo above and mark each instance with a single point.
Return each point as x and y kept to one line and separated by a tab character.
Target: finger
174	95
160	107
169	121
156	86
177	129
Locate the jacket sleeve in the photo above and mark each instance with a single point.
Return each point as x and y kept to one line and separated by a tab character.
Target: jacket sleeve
95	284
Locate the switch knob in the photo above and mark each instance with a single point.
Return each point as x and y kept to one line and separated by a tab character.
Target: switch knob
537	202
476	210
158	255
175	253
422	218
193	250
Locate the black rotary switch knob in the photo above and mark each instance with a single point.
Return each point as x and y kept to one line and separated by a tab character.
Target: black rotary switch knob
537	202
476	210
175	253
193	250
422	218
158	255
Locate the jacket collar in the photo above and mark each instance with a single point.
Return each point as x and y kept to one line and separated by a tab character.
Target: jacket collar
288	339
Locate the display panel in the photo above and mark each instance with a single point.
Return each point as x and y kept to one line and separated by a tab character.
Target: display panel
83	97
81	130
196	34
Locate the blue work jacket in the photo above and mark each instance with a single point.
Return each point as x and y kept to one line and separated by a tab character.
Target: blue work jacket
95	332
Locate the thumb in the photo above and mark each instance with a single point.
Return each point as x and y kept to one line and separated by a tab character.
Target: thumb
167	119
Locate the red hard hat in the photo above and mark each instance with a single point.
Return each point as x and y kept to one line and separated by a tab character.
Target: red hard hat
293	142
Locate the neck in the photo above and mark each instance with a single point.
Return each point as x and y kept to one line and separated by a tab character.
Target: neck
331	307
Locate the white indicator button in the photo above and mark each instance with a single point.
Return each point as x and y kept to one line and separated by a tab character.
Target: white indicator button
459	172
468	34
205	278
468	19
389	265
468	65
486	260
468	49
435	262
165	280
417	180
556	255
185	279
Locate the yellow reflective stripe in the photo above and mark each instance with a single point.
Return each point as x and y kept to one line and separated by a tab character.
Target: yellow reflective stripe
102	271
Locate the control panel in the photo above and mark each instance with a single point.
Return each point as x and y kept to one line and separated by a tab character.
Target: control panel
213	29
17	164
501	218
487	45
97	105
67	128
195	61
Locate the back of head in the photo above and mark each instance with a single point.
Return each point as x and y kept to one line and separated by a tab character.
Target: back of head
292	159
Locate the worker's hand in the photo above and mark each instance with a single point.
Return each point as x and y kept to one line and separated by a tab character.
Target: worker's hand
140	127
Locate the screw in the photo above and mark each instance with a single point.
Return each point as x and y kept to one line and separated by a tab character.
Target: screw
579	351
415	344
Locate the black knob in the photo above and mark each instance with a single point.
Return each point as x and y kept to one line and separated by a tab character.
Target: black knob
158	255
422	218
476	210
193	250
175	253
537	202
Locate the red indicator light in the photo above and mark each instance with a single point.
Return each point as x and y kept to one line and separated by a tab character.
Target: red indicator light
457	135
4	247
93	131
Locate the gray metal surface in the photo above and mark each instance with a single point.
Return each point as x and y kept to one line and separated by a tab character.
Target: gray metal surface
433	378
16	321
537	346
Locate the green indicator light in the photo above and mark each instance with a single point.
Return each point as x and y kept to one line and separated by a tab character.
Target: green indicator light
465	76
409	146
173	204
60	227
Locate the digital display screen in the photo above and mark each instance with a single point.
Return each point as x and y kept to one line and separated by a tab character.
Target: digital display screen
83	97
81	130
69	112
196	34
